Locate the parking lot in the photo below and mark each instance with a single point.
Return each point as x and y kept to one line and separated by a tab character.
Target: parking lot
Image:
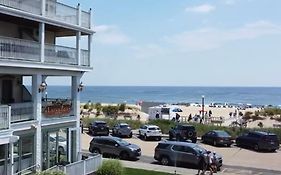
234	158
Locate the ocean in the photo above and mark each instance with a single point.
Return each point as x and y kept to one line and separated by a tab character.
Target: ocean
133	94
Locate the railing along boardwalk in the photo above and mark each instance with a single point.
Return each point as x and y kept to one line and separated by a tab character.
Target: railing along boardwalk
5	117
53	10
26	50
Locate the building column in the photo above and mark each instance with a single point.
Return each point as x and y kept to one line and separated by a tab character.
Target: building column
42	41
37	112
43	7
78	14
90	39
78	48
11	147
76	109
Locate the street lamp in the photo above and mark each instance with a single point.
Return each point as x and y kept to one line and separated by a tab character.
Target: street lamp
203	98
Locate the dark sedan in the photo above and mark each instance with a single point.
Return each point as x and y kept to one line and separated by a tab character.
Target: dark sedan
217	137
98	128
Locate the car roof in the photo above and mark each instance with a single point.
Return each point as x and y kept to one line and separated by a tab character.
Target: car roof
123	124
189	144
262	133
103	122
105	137
152	126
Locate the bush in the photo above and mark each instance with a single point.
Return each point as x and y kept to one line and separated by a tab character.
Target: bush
86	106
110	167
98	107
122	107
110	110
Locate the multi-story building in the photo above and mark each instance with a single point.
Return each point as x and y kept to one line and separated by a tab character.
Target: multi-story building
37	132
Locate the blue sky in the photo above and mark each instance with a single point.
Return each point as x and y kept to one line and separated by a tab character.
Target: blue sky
185	42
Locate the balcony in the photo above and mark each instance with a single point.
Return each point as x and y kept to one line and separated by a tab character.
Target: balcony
5	117
21	112
53	10
26	50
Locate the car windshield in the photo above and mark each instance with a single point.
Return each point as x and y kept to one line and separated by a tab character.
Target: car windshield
124	125
222	134
153	128
122	142
61	139
199	149
100	124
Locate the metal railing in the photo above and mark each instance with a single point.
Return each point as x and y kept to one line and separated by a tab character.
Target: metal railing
82	167
26	50
61	12
85	19
84	57
31	6
53	9
21	112
18	49
60	55
5	117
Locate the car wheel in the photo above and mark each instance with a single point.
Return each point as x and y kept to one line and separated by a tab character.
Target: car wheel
113	132
165	160
131	135
256	147
194	140
96	151
124	155
170	136
159	138
228	145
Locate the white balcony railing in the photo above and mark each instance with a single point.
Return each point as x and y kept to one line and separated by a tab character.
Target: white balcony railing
60	55
53	9
25	50
21	112
5	117
31	6
85	59
17	49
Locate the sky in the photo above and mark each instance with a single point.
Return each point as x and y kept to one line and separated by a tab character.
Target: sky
185	42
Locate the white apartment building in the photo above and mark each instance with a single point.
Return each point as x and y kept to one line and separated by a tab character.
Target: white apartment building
36	132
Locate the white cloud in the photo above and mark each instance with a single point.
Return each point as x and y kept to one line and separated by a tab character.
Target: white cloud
110	34
204	8
230	2
210	38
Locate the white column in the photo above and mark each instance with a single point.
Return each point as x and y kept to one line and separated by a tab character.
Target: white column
42	41
90	19
76	108
43	7
90	39
37	108
78	48
78	15
11	145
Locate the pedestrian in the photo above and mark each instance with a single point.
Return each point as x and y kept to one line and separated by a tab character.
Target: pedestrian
203	163
189	117
157	115
212	162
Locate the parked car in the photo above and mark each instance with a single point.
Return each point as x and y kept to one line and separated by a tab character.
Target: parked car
174	153
217	137
258	141
114	146
150	131
62	143
98	128
183	132
122	129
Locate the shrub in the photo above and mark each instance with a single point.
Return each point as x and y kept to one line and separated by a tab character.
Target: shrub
98	107
86	106
122	107
110	110
110	167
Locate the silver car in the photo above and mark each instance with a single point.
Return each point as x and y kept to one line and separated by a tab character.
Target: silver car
122	130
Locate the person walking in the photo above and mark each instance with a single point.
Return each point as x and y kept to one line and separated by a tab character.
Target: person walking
203	164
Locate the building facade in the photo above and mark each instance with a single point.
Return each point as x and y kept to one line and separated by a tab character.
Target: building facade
37	132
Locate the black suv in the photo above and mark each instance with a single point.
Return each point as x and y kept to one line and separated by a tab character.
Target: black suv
174	153
183	132
98	128
258	141
114	146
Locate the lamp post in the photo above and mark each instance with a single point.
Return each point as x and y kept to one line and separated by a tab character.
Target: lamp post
203	105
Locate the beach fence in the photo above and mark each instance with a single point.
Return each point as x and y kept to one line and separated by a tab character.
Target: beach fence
82	167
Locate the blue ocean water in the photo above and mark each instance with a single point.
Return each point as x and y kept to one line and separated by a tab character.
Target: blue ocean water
132	94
